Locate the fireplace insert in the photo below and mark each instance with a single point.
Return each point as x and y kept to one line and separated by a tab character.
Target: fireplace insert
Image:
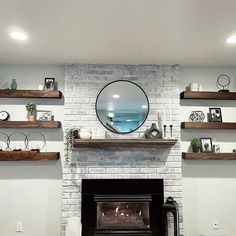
122	207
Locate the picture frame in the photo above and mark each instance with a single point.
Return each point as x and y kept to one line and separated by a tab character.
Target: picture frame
215	115
49	84
216	148
43	115
206	145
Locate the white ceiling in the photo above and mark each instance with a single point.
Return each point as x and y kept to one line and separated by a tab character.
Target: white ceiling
185	32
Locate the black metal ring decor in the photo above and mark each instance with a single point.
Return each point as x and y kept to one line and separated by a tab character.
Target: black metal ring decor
223	81
9	140
6	141
28	140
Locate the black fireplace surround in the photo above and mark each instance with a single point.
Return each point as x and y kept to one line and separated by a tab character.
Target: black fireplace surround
123	207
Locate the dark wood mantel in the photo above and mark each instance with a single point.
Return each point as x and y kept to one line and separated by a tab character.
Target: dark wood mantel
124	143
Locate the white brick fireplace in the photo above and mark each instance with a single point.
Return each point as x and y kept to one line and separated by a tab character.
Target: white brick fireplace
83	83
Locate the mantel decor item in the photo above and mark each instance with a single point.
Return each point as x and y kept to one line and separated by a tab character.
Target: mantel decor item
4	115
153	132
215	115
223	81
13	84
195	144
35	141
44	115
49	84
197	116
85	134
122	106
206	145
17	141
3	142
31	108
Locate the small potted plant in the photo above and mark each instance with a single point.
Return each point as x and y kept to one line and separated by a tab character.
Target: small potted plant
31	108
195	143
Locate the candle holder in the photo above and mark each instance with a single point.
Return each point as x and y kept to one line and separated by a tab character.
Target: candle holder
171	131
164	136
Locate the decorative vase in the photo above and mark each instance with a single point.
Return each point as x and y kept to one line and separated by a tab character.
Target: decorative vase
85	134
195	148
31	118
13	84
153	132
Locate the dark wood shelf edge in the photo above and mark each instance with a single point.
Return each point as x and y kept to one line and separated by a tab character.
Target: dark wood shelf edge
209	156
208	95
49	94
208	125
28	156
123	143
30	125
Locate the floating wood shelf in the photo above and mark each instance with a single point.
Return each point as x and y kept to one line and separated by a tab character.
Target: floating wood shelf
208	125
124	143
30	93
208	156
28	156
208	95
30	125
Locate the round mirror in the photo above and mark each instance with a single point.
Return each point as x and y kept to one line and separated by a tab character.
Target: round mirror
122	106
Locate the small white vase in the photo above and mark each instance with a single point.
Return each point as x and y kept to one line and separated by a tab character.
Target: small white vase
85	134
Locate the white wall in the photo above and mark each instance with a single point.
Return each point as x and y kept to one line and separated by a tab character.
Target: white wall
209	187
31	192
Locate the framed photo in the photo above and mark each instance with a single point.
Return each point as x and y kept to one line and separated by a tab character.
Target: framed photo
215	115
216	148
49	84
44	115
206	145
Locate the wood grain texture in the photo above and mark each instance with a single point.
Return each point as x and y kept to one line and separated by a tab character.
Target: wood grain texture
30	93
28	156
30	125
208	125
208	95
127	143
208	156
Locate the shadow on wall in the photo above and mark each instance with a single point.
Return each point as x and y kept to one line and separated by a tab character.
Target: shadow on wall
209	169
31	170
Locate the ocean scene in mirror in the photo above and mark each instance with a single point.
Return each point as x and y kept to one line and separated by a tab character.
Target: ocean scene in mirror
122	106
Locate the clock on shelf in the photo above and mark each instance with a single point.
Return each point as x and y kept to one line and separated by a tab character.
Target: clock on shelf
4	115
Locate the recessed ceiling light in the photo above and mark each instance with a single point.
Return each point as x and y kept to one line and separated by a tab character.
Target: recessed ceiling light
231	40
128	120
116	96
19	36
144	106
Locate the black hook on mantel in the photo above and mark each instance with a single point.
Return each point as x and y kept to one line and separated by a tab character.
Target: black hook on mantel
171	206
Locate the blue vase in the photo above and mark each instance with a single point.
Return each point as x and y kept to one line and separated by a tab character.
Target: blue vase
13	84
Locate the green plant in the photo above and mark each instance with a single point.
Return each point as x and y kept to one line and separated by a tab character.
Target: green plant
69	141
31	107
195	142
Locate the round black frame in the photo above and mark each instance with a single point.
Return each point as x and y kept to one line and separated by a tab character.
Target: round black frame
131	83
218	81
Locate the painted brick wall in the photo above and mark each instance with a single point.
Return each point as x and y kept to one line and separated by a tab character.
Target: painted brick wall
83	83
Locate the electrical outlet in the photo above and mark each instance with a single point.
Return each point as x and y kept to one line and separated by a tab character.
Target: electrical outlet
215	224
19	226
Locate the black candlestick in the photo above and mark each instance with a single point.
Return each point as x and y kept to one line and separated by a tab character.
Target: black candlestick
171	129
164	131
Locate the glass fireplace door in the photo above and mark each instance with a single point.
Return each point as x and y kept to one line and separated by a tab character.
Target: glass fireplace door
123	213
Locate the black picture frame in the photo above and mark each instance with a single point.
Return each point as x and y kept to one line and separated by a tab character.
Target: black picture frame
215	115
206	145
49	84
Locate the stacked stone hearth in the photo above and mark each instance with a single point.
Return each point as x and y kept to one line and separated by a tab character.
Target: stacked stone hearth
82	85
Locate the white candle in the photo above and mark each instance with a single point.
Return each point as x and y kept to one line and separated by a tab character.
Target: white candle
170	116
164	116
